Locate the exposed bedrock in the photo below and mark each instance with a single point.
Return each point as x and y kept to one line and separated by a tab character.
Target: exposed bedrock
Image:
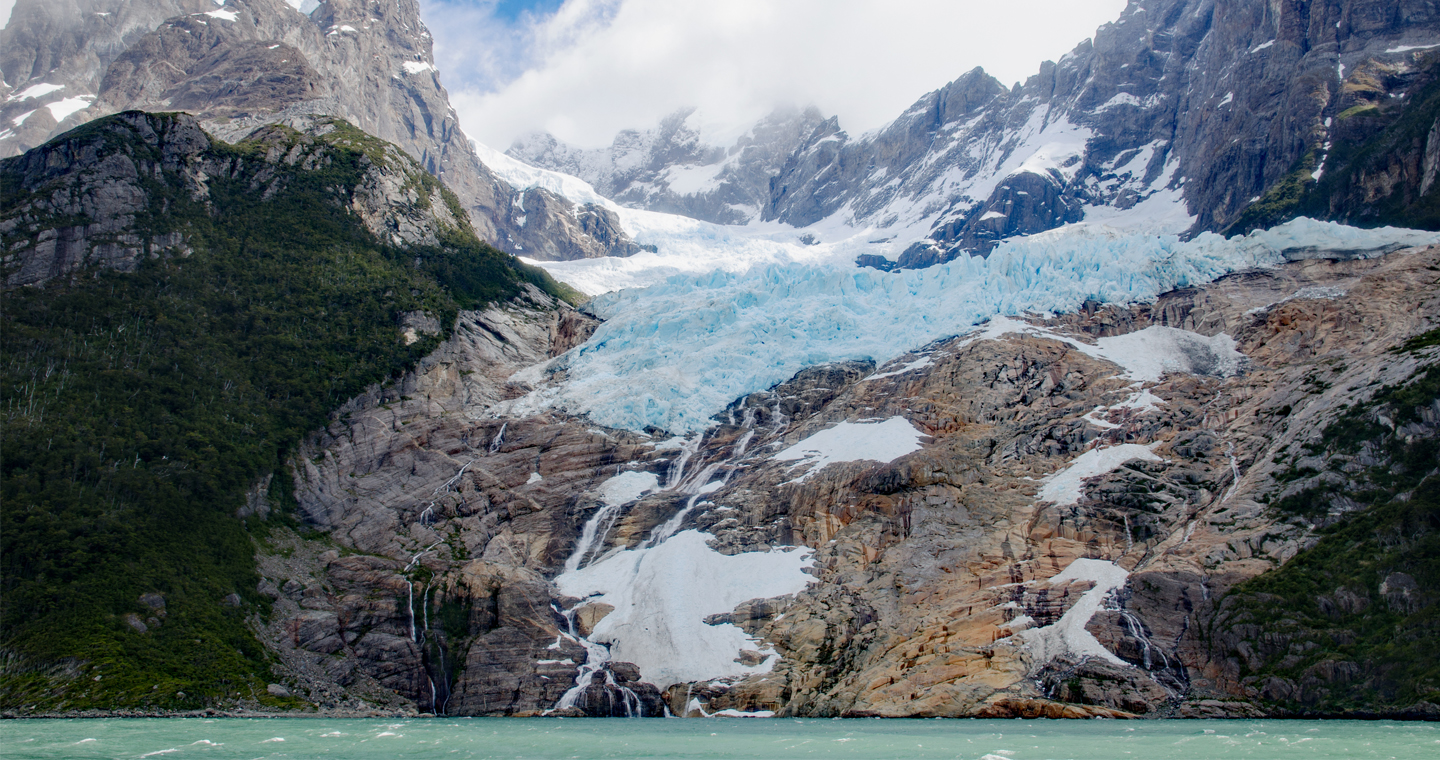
963	578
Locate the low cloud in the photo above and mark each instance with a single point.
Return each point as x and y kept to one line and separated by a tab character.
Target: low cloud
595	67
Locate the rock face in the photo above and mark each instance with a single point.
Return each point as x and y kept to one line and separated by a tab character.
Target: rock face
952	581
673	169
253	62
101	193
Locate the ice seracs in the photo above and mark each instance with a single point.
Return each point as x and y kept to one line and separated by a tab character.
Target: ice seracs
672	355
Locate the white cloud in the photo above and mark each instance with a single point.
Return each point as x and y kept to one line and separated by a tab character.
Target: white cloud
598	66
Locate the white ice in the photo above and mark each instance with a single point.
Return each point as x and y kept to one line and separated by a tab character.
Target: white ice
1068	635
662	595
1149	353
854	441
1064	487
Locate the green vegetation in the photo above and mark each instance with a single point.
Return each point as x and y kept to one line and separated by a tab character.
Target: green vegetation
1324	621
1282	202
139	408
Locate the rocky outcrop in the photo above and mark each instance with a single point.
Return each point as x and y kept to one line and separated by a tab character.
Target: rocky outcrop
257	62
946	585
54	54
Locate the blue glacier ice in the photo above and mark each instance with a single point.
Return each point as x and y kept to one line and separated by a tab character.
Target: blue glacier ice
673	355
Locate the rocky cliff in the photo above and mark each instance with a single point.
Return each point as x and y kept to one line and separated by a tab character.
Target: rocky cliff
956	580
252	62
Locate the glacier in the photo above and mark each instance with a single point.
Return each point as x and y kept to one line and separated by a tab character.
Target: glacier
672	355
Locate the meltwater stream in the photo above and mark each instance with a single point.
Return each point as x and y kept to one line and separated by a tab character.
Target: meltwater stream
703	739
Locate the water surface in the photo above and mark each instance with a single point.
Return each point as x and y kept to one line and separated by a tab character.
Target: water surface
701	739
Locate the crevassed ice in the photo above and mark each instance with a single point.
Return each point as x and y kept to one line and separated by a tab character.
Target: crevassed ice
672	355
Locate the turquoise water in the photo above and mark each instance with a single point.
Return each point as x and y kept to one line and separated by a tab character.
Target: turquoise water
775	739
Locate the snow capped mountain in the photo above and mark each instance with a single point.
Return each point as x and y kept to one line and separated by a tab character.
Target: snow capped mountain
1179	117
681	166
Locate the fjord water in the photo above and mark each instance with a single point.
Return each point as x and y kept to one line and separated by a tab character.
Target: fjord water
698	739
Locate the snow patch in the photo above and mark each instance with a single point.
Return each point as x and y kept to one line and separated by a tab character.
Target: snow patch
62	109
1068	635
1408	48
1121	99
224	15
417	67
1064	487
692	180
852	442
534	478
992	215
1148	354
1262	46
662	595
35	91
921	363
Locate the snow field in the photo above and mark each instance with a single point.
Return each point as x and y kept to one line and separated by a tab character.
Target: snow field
662	595
1068	635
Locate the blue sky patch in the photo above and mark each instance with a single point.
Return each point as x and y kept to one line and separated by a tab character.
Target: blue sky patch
512	10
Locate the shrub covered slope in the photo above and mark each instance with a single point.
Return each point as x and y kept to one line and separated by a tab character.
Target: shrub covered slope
141	405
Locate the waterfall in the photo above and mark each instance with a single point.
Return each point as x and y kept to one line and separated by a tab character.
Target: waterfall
499	438
1162	669
698	481
1234	472
591	535
597	657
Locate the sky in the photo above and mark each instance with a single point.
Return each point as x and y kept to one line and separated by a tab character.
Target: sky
585	69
